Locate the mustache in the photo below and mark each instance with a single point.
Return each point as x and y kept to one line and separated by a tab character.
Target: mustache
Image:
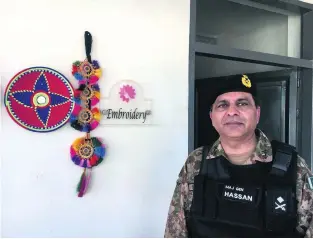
233	121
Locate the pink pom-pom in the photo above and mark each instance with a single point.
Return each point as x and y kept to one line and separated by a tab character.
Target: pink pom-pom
83	81
72	152
94	125
93	79
76	109
94	101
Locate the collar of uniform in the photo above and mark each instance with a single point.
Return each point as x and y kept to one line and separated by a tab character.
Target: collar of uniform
262	153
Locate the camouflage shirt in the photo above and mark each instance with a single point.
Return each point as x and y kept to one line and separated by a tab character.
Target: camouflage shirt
183	193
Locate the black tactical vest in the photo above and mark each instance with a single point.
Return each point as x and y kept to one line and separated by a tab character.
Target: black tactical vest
256	200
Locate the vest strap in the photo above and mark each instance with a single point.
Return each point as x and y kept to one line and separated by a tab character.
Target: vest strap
205	151
221	169
213	168
282	156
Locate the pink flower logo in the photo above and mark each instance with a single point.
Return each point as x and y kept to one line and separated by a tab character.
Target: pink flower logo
127	92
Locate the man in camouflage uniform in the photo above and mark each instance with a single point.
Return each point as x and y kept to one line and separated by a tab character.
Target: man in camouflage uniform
259	150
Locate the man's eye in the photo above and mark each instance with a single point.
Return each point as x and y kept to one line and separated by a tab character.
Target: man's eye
243	104
221	105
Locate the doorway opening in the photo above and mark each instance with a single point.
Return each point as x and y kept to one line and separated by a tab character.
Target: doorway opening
270	41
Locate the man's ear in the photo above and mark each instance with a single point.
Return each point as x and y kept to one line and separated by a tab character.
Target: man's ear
258	113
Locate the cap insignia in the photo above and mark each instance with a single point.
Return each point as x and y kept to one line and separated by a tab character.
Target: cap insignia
246	81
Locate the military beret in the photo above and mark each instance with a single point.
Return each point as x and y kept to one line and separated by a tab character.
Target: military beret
238	83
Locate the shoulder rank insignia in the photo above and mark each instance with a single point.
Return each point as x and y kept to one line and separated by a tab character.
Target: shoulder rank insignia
310	180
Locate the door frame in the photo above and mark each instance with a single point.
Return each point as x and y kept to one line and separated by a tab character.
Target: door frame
292	96
302	67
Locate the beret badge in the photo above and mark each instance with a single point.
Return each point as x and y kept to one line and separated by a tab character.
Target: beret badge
246	81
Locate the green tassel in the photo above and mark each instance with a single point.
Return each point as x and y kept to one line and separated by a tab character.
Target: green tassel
80	181
77	63
95	142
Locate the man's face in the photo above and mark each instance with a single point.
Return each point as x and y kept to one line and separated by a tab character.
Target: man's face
234	114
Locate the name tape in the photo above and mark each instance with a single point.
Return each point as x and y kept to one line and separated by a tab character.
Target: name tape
238	193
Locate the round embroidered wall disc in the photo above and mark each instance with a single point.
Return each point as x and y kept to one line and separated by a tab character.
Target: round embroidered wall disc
39	99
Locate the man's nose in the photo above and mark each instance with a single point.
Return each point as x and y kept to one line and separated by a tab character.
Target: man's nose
232	110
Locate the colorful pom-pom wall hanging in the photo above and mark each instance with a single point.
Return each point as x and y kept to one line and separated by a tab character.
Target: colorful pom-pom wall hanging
87	93
86	152
86	71
84	119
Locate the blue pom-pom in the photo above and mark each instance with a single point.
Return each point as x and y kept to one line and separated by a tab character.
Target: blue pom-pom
78	76
96	87
85	128
95	64
99	151
76	159
77	101
73	118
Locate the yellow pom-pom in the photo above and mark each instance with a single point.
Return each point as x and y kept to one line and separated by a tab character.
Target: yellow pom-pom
77	143
97	94
96	114
98	73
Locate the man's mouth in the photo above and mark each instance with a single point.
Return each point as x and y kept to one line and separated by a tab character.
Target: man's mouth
233	123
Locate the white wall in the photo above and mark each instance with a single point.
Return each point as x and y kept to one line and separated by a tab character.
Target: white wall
146	41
